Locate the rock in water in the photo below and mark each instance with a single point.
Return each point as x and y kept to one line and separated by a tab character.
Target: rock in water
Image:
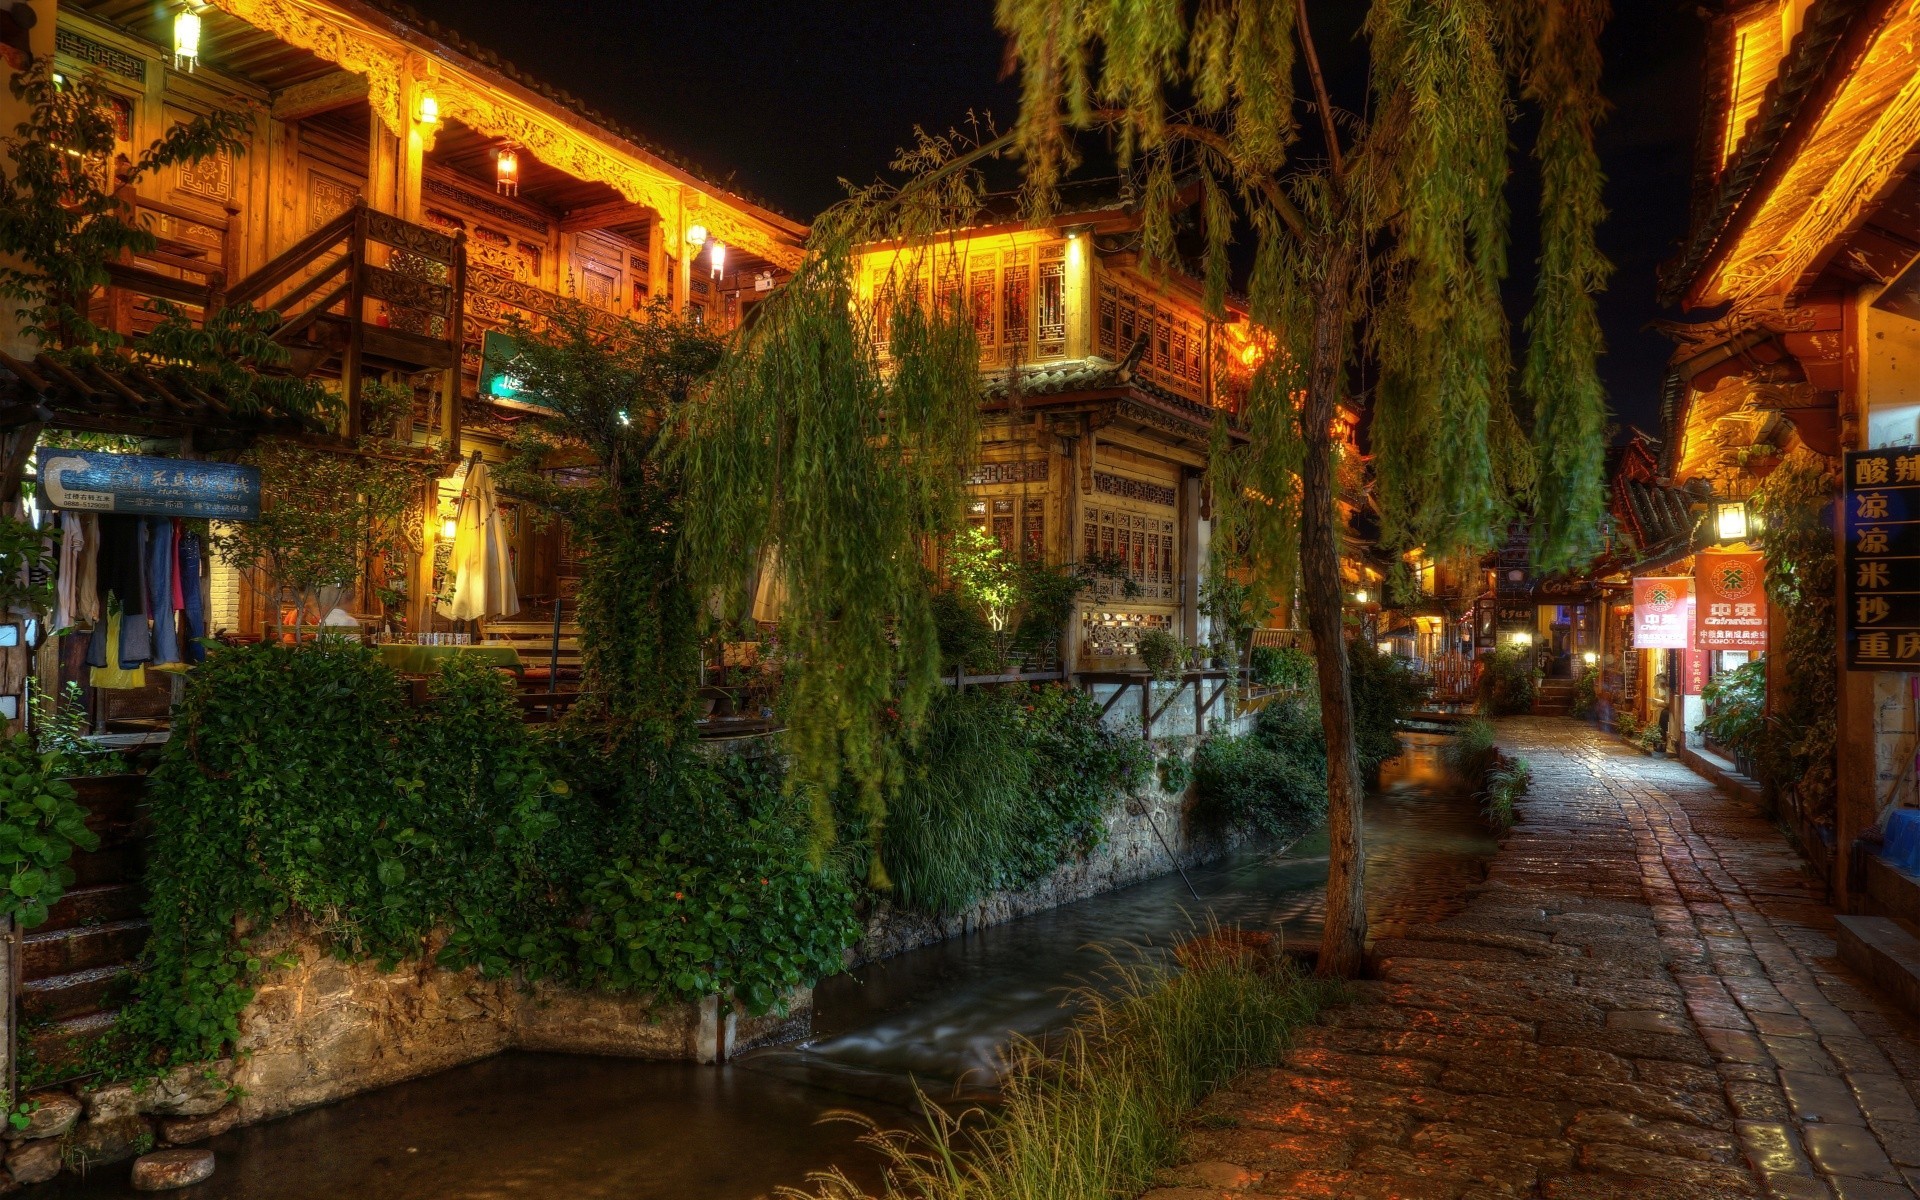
166	1169
34	1162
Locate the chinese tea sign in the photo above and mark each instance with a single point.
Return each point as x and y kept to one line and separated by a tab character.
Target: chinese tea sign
1730	608
1662	614
94	481
1881	509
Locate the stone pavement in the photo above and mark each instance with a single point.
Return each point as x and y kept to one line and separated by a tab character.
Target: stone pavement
1643	1000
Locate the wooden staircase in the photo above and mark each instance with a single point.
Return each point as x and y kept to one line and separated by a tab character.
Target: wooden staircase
414	279
75	969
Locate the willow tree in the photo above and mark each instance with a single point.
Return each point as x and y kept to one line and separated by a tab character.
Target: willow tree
831	444
1380	238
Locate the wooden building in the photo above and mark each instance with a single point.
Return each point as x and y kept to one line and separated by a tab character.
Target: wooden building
404	195
1102	383
1806	242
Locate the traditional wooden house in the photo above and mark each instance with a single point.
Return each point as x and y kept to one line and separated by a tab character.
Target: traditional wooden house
404	195
1806	238
1102	383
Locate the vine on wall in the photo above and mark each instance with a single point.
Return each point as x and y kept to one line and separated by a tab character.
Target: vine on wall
1796	511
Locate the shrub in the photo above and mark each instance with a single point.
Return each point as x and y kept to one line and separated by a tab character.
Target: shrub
1507	681
299	784
40	827
1586	692
1505	784
966	640
1495	777
1008	785
1161	653
1282	667
1096	1119
1273	780
1466	755
1384	692
1736	703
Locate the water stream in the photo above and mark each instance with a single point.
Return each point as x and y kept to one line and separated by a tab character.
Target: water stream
532	1126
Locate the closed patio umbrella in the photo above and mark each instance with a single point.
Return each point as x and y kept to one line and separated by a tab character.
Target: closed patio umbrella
482	564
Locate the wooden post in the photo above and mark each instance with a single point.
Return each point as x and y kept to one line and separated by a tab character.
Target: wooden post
456	338
356	318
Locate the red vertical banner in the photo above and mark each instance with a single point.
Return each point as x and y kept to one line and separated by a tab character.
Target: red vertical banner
1663	614
1730	610
1693	672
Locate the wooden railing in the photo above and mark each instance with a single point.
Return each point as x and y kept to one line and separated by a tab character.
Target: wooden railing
1210	691
187	265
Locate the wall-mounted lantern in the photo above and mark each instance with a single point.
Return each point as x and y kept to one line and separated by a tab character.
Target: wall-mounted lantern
1730	520
506	171
186	39
429	108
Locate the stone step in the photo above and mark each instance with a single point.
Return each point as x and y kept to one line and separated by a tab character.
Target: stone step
60	1049
1886	951
98	904
64	951
75	995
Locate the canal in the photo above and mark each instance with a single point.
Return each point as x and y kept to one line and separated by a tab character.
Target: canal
526	1126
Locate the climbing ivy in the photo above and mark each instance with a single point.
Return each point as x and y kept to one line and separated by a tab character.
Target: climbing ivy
1796	531
40	828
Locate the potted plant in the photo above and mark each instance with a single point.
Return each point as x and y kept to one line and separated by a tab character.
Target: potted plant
1161	653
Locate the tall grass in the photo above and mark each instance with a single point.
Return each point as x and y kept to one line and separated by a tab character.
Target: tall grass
1092	1117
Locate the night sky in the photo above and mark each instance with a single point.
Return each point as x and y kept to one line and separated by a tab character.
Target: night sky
793	98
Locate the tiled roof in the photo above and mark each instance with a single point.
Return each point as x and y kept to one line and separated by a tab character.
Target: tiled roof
1088	375
1809	58
1662	516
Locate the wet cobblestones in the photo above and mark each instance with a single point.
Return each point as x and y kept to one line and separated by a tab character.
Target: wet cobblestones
1643	1000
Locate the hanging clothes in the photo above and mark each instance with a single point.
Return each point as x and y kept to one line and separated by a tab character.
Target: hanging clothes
73	544
193	604
160	571
86	584
112	673
122	575
483	584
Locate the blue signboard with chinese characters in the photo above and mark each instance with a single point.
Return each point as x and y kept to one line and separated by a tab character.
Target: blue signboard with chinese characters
1881	510
92	481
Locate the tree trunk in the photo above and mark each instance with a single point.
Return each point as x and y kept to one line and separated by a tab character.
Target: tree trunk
1343	942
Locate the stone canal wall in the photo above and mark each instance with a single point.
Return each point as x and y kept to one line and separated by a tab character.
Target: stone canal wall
321	1029
1131	852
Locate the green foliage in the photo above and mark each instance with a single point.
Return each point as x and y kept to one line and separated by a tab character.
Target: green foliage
299	785
60	729
1736	704
965	638
1467	752
1586	692
40	828
1173	772
27	559
1564	341
1161	653
1505	784
231	354
610	394
1097	1117
1282	667
1273	780
60	223
1508	681
1796	531
325	518
804	441
1009	785
985	574
1384	692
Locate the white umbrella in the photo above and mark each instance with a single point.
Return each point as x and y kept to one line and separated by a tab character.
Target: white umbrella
482	562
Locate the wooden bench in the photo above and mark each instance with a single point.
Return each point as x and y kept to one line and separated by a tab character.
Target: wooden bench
534	640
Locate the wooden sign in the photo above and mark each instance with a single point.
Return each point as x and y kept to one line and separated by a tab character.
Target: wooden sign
95	481
1880	506
1663	613
1730	605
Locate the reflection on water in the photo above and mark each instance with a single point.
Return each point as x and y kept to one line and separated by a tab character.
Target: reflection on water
526	1126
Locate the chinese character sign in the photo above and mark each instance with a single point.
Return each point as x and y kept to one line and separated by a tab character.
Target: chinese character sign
1730	601
91	481
1662	614
1880	508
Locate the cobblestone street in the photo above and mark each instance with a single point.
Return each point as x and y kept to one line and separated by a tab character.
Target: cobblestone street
1643	1000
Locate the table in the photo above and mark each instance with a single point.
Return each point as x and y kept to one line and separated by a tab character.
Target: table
426	660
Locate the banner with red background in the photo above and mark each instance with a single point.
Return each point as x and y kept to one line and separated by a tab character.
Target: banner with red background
1663	614
1730	606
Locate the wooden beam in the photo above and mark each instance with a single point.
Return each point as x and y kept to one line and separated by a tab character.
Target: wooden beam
604	216
316	96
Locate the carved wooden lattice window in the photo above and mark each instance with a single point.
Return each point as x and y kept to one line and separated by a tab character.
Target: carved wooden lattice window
1016	302
1050	302
1034	548
1141	545
1003	511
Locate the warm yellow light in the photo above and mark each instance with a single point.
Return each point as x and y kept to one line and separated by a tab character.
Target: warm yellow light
1731	521
1590	658
186	39
429	109
696	236
1523	639
719	252
1361	595
506	172
449	529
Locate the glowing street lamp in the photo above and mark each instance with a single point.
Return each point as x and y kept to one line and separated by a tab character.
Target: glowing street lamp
429	109
1730	521
506	171
186	39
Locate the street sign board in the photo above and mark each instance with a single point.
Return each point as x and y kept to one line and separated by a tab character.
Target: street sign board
1730	605
94	481
1880	507
1663	613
